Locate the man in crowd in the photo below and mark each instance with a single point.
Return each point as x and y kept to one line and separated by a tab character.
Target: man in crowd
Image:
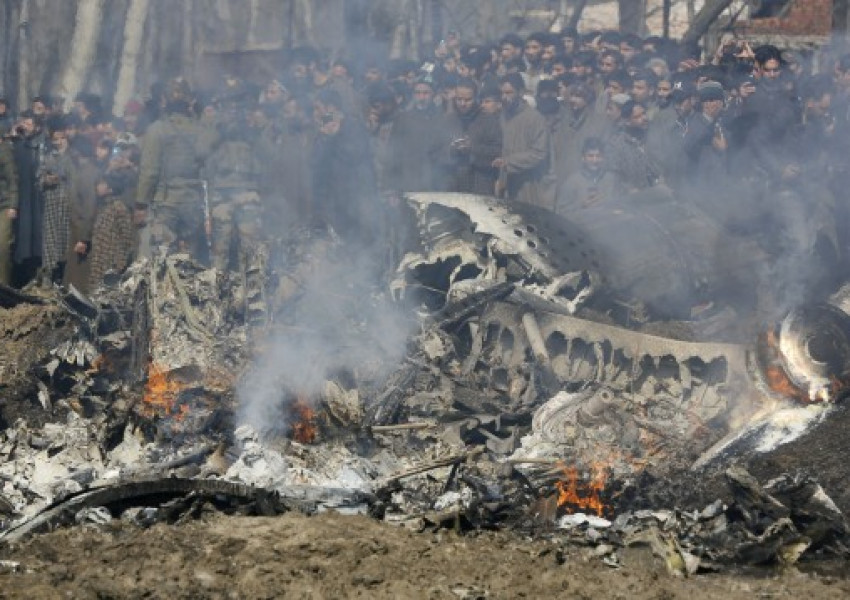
29	145
8	210
465	109
590	185
583	122
774	138
705	142
773	110
419	144
170	178
635	170
525	145
555	114
234	172
666	134
344	187
533	57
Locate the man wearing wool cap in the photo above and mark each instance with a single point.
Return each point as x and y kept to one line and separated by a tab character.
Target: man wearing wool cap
710	91
705	140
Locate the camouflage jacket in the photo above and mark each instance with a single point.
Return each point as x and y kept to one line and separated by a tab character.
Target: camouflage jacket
8	178
173	152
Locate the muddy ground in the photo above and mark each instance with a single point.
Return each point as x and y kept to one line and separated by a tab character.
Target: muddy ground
335	556
27	334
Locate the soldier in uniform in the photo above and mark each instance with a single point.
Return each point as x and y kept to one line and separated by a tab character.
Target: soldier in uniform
8	210
170	181
234	173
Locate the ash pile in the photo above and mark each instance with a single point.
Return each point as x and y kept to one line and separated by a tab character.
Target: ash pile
507	370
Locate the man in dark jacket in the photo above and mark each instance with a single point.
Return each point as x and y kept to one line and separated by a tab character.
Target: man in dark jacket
773	112
8	210
285	185
464	110
344	187
29	146
557	125
592	184
705	139
419	144
480	143
583	123
666	134
234	171
634	168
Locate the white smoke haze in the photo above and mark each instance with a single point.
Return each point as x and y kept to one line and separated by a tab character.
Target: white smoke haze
341	320
341	324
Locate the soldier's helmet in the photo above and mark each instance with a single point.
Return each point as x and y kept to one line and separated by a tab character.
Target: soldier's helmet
178	90
234	92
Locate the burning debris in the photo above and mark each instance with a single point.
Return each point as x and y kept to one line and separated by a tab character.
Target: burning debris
529	384
807	358
573	496
774	524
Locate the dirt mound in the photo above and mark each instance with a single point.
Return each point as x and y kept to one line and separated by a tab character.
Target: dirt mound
28	332
334	556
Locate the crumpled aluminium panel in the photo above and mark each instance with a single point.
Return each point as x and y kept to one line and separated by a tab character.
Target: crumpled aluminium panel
465	236
655	386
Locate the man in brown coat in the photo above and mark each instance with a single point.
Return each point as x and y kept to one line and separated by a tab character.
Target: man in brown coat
525	145
583	122
477	140
591	185
8	210
485	143
419	144
83	204
112	235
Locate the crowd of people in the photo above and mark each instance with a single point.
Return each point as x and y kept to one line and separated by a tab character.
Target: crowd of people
752	136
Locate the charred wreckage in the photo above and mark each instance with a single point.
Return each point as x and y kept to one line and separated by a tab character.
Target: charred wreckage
587	378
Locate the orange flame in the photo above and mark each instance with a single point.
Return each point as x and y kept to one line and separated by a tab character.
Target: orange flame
836	386
573	495
779	382
775	376
100	363
305	428
161	392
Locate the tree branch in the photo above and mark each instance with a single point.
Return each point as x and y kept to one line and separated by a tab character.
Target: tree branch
575	17
703	19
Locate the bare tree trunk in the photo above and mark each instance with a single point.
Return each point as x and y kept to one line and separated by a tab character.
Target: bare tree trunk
575	17
436	21
413	28
83	44
632	16
403	19
665	17
692	11
189	59
304	8
486	19
397	43
840	13
8	31
134	27
703	20
23	56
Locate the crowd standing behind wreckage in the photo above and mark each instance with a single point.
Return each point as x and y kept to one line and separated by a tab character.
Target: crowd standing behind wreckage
754	137
568	283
